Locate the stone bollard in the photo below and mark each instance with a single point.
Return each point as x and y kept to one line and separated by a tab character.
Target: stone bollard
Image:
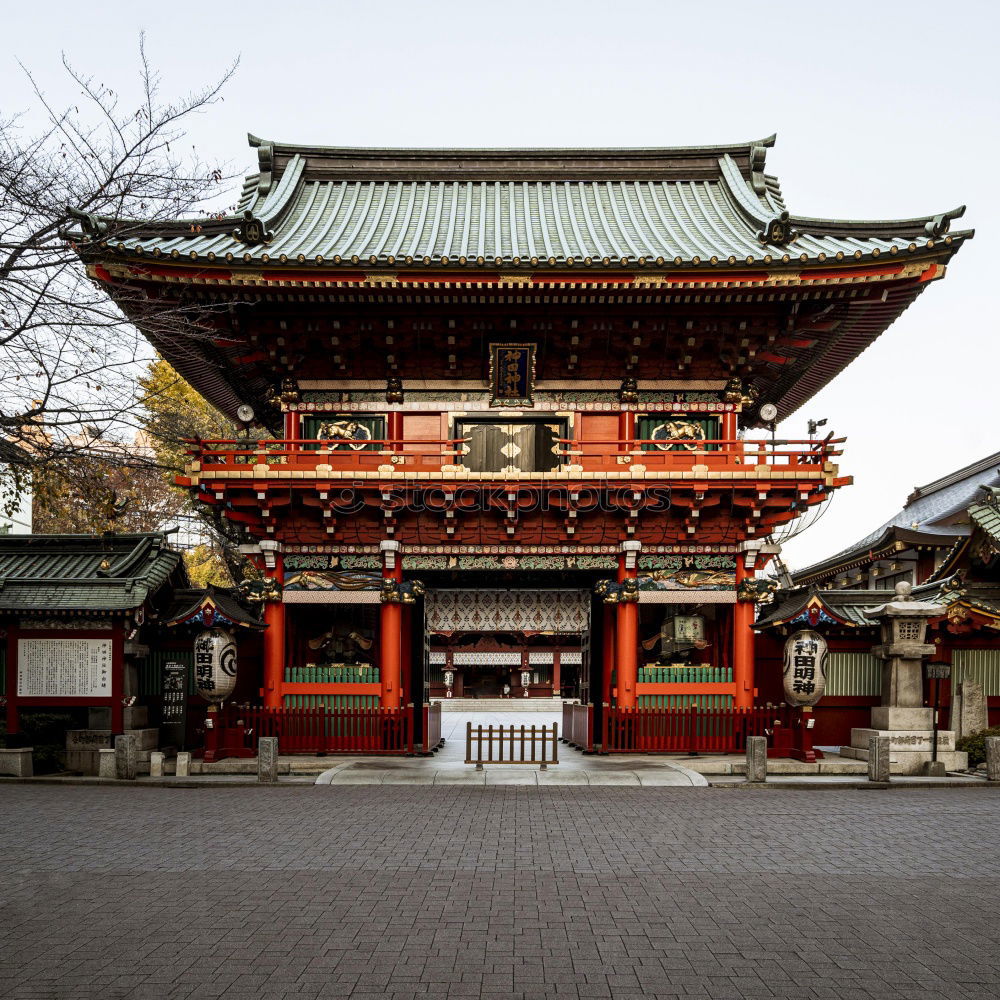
993	758
183	764
756	759
125	757
106	767
878	758
156	764
267	759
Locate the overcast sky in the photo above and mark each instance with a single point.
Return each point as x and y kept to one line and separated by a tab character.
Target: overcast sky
883	110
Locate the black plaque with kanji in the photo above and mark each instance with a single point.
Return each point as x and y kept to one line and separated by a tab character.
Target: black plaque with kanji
173	719
512	374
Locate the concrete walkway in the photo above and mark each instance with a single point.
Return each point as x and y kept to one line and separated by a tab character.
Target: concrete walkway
448	767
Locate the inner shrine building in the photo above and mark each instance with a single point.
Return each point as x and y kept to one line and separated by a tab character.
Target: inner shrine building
508	414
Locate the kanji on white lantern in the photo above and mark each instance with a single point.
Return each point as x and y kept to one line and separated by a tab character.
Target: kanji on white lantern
215	664
805	668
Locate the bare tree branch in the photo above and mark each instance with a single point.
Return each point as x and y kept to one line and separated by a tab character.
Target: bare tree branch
69	357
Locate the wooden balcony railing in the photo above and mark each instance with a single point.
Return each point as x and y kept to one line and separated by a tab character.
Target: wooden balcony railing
316	457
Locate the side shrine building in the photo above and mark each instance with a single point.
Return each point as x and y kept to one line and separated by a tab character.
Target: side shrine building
508	412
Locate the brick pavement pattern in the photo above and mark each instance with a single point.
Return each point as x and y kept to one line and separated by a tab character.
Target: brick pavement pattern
498	893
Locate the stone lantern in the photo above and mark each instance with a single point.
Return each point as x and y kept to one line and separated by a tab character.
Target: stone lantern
904	626
902	716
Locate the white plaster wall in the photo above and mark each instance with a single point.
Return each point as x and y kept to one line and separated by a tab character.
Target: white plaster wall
19	523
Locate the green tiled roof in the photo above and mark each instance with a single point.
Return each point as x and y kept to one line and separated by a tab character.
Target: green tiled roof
512	208
83	572
985	515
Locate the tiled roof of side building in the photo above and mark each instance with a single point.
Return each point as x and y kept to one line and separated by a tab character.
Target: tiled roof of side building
84	572
929	510
698	206
853	607
985	513
219	604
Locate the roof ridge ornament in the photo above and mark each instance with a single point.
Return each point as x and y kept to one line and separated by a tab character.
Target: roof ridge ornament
938	225
92	226
265	161
758	153
778	231
252	231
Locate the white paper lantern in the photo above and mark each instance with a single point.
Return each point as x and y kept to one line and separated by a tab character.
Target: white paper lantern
805	667
215	664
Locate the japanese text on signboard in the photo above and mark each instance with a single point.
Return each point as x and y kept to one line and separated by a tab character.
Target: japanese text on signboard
512	374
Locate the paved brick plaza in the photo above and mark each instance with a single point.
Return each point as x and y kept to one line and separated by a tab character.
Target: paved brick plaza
498	892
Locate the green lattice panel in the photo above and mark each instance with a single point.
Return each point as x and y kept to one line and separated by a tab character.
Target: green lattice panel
685	675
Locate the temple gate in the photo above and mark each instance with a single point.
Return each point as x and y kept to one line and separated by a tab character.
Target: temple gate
528	372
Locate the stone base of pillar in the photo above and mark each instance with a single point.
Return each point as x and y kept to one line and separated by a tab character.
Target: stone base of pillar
909	749
894	717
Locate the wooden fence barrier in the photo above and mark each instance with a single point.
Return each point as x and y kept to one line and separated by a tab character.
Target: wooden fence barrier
514	745
327	729
690	730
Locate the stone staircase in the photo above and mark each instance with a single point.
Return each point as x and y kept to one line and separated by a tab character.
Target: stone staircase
517	706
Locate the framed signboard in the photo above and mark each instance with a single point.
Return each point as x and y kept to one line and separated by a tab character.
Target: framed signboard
512	374
64	668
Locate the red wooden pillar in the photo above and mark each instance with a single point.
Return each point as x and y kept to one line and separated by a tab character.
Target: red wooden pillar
729	430
274	639
556	674
743	654
293	430
627	640
391	630
626	430
608	651
395	430
406	658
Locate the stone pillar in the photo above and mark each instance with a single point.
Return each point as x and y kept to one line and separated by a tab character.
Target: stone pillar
106	763
125	754
878	758
156	764
968	708
756	759
390	625
743	638
993	758
183	765
274	635
267	759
